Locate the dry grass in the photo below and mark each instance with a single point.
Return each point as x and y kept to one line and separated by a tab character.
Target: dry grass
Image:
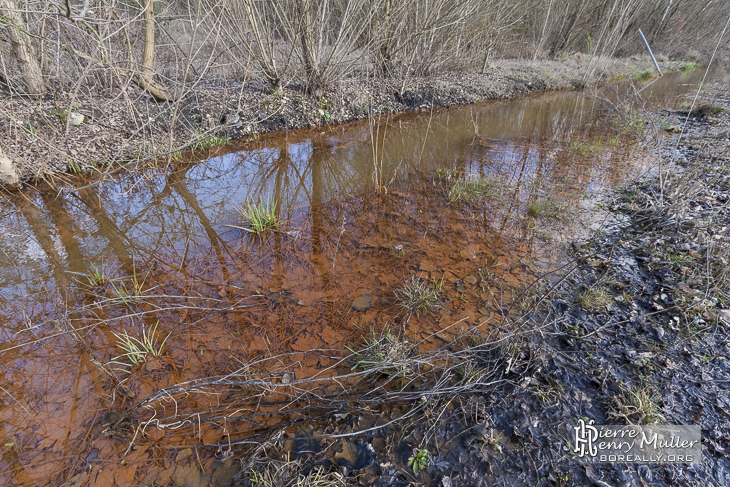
637	405
595	299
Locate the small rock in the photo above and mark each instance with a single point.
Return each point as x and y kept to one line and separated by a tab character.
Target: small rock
362	302
8	176
232	119
75	118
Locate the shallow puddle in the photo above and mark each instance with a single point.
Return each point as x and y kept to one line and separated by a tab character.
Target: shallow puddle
475	202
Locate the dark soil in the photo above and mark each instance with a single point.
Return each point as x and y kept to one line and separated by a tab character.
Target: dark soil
645	307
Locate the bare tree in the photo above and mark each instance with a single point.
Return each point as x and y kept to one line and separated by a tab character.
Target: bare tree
145	78
23	50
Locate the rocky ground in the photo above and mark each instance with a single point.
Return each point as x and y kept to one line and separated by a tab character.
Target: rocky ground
89	133
637	331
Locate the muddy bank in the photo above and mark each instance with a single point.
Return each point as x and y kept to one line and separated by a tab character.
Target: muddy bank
634	331
86	136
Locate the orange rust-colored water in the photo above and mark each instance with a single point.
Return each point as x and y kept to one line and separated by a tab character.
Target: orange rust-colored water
174	258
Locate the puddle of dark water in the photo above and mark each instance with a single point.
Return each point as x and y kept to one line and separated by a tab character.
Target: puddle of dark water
172	257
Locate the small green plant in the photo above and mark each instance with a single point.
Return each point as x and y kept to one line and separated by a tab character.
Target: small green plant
590	44
702	110
208	141
261	216
575	330
417	297
582	147
643	75
547	393
472	187
593	145
594	299
634	123
137	349
384	354
687	67
60	113
257	478
97	276
130	289
637	405
77	169
419	460
546	208
447	174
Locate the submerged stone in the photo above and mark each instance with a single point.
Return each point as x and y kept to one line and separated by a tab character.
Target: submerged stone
362	302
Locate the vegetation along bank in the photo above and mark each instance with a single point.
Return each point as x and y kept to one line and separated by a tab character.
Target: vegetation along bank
85	88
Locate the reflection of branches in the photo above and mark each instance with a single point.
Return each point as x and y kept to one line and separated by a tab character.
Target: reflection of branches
265	387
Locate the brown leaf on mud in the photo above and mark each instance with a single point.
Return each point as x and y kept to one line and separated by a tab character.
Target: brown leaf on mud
190	476
104	478
154	434
124	475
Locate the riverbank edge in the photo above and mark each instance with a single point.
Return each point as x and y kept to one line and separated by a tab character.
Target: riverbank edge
643	312
44	140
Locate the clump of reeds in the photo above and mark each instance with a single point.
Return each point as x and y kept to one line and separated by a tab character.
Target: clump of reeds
260	215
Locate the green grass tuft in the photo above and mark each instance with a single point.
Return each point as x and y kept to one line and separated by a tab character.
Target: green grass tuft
261	216
643	75
473	187
136	349
686	68
209	141
595	299
417	297
546	208
384	354
637	405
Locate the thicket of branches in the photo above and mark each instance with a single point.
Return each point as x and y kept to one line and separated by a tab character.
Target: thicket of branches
165	47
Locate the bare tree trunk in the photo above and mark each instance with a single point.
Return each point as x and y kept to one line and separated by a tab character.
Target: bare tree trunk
306	42
30	67
148	56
